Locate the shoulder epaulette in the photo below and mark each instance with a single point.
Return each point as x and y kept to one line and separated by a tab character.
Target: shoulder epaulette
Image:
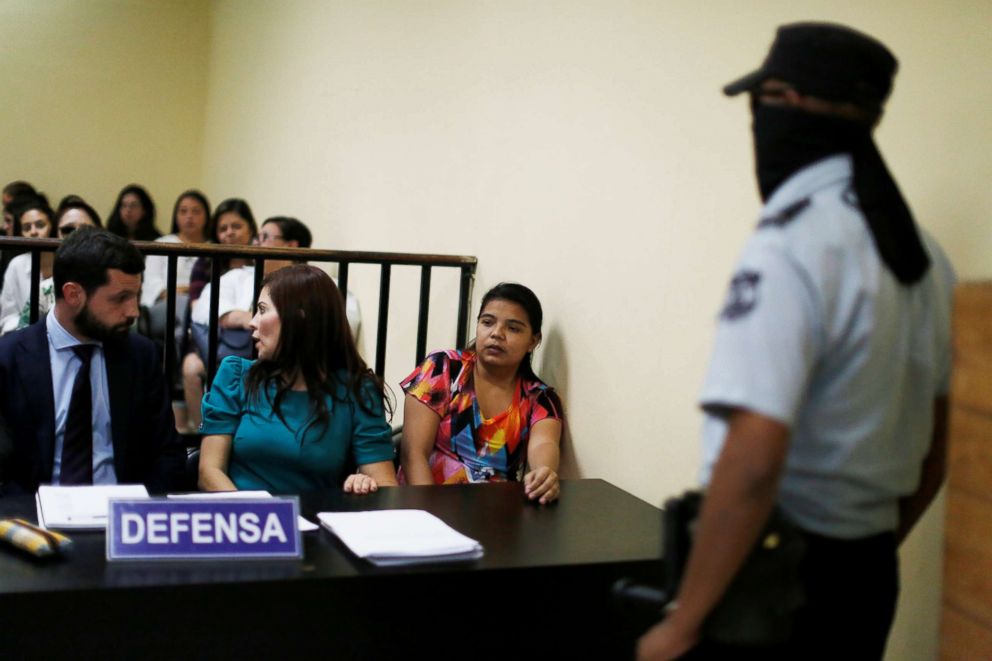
850	198
786	215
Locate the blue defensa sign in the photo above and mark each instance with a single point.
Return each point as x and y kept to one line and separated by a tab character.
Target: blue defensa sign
168	529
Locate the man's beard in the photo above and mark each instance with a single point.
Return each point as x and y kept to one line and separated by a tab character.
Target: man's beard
92	328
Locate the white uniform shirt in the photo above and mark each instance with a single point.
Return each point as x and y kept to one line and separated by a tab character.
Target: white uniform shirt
818	334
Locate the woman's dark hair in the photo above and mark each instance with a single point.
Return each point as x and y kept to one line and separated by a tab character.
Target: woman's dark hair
145	231
67	200
208	229
70	202
18	188
314	342
525	298
292	230
37	202
11	207
233	205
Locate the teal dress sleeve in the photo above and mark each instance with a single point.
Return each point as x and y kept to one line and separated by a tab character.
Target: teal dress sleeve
224	405
372	437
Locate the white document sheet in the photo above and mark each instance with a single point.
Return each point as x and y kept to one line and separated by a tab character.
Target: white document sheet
391	537
81	507
305	525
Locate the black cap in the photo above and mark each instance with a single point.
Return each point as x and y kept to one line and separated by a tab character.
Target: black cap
828	61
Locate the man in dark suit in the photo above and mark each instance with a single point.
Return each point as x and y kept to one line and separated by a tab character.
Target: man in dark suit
85	399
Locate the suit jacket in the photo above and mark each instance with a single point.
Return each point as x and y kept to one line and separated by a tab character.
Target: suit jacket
146	447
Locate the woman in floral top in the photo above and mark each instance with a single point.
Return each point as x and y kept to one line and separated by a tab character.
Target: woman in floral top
482	414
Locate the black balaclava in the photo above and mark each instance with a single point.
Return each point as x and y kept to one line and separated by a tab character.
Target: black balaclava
788	139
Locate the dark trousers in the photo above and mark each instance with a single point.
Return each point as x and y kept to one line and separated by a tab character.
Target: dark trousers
851	589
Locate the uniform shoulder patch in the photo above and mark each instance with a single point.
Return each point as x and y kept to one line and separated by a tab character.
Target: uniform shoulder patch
786	215
743	295
850	197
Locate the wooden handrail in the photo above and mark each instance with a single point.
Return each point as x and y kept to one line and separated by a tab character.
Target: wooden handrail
309	254
343	258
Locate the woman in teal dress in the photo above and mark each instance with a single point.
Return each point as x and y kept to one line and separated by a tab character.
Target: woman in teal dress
295	419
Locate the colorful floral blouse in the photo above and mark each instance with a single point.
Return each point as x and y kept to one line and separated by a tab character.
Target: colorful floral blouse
468	447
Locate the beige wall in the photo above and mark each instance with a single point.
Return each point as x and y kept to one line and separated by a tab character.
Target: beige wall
584	149
99	94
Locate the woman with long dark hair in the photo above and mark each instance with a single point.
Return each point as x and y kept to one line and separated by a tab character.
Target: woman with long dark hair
482	415
234	225
190	224
133	215
309	408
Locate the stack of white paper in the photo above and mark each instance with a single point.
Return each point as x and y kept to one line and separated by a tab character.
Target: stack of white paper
81	507
393	537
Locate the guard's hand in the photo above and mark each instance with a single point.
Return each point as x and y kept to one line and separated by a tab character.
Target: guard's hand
541	484
665	640
360	484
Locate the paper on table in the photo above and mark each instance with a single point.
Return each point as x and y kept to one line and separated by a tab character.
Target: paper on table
81	507
304	524
389	537
220	495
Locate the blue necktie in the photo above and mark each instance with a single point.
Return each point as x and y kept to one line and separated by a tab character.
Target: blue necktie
77	442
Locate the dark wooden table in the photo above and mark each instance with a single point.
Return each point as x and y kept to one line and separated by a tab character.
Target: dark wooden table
542	587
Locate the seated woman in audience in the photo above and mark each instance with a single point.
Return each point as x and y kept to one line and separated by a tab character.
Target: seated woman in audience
482	415
234	224
133	216
190	224
14	194
287	232
308	408
242	221
73	213
35	219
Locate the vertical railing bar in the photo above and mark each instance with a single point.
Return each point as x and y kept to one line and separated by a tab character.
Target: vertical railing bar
169	341
464	303
380	343
214	323
425	304
35	298
259	276
343	281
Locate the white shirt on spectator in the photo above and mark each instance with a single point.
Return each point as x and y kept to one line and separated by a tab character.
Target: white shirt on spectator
156	270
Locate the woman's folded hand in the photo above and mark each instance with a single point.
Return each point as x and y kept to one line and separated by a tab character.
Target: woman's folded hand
541	484
360	484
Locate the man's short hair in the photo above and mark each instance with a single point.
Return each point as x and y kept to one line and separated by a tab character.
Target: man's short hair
292	230
86	254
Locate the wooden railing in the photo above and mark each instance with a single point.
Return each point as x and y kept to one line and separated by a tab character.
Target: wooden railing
342	258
